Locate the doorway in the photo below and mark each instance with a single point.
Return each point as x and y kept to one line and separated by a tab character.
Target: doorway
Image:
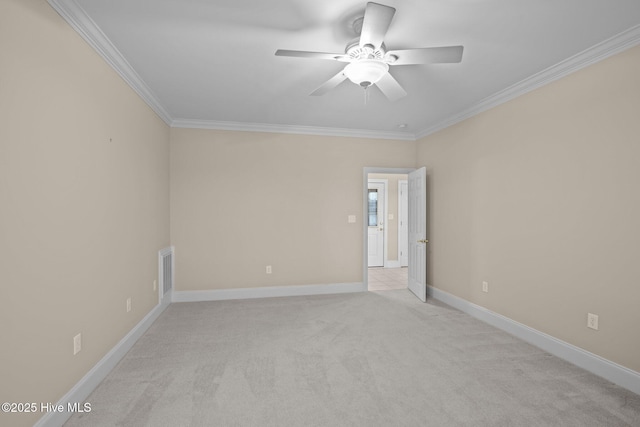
386	230
405	252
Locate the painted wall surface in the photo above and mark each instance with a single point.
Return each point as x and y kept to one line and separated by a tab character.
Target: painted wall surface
243	200
84	202
540	198
391	224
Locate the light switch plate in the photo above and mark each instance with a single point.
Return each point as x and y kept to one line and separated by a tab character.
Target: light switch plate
352	219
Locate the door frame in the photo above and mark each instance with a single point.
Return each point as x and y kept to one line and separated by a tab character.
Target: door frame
365	211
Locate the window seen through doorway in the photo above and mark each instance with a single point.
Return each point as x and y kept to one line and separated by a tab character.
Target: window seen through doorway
373	207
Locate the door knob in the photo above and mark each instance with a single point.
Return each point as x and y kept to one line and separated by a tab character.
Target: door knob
423	241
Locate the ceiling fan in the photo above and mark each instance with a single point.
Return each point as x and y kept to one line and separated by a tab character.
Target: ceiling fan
368	59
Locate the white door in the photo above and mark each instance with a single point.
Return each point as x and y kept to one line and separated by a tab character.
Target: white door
418	233
375	218
403	200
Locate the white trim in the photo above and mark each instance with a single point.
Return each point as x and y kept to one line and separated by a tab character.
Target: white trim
78	19
94	377
266	292
596	53
291	129
593	363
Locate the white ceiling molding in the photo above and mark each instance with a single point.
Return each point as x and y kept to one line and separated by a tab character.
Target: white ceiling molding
91	33
300	130
77	18
600	51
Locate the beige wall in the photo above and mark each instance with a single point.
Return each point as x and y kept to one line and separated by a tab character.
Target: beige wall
84	205
243	200
392	203
540	198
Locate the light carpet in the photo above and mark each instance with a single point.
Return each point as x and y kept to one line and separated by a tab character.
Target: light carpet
364	359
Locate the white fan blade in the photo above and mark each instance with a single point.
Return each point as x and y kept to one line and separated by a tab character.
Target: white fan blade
426	55
390	87
317	55
330	84
377	18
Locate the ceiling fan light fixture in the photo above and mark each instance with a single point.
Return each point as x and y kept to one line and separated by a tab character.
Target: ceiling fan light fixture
368	58
366	72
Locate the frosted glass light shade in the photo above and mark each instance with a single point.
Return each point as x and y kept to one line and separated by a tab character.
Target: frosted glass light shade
366	71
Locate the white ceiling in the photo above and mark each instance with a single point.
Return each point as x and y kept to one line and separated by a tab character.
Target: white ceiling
211	63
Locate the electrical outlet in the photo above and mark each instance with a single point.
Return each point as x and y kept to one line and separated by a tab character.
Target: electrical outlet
268	269
77	344
485	287
155	285
592	321
128	304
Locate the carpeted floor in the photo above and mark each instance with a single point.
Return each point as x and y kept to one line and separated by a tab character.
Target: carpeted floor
365	359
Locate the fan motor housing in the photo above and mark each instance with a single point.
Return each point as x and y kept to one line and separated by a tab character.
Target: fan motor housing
355	51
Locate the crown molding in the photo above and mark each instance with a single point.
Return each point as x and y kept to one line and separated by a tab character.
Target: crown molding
596	53
78	19
300	130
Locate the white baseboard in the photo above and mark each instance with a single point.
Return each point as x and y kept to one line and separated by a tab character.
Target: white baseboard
392	264
266	292
88	383
593	363
611	371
